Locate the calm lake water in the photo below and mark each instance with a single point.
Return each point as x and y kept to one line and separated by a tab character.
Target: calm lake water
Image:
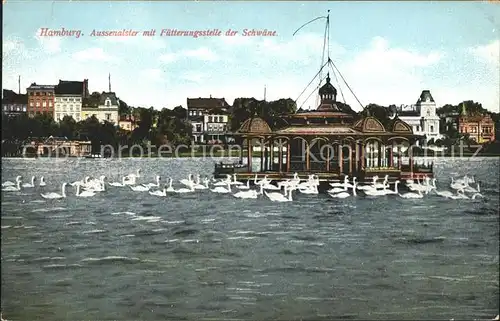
127	255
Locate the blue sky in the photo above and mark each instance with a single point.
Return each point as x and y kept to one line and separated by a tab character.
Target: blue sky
387	51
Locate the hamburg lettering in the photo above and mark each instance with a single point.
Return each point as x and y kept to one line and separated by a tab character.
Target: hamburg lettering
46	32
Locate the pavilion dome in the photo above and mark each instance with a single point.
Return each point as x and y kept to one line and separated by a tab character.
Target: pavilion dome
255	125
327	88
328	95
369	125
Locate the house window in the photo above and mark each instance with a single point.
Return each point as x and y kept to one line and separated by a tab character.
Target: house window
37	104
108	116
210	119
32	104
108	102
44	103
50	103
432	129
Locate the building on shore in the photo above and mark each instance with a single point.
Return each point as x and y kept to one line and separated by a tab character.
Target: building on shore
103	106
422	117
479	127
209	118
68	99
128	122
331	142
14	104
57	147
40	99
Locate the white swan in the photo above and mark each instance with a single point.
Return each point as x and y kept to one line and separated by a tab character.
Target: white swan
235	182
246	194
9	183
95	185
137	174
280	197
157	184
447	194
83	193
395	191
460	195
309	190
188	182
118	184
13	188
140	188
222	190
186	190
198	185
170	189
412	195
42	181
129	180
53	195
83	181
245	187
159	193
223	182
30	185
476	195
346	180
345	194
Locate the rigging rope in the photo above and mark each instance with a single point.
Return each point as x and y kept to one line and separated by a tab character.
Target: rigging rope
338	83
311	81
312	92
352	92
322	59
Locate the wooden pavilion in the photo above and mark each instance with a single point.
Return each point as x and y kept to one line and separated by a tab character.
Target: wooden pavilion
331	142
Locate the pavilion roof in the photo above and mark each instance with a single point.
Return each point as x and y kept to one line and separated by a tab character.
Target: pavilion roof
314	130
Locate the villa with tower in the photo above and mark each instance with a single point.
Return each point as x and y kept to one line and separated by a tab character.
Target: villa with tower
422	117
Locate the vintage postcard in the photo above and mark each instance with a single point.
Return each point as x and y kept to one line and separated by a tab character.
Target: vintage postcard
246	160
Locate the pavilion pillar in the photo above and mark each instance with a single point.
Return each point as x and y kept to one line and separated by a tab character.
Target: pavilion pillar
271	156
379	154
280	155
249	154
341	158
351	155
262	151
288	156
399	157
411	166
328	158
362	156
308	159
391	156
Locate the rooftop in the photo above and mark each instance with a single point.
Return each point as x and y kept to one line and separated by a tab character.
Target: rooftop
69	88
207	103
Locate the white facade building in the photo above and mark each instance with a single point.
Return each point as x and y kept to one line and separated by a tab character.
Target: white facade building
209	119
422	117
68	99
215	127
104	108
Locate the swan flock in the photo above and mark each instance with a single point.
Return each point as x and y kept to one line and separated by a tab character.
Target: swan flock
281	191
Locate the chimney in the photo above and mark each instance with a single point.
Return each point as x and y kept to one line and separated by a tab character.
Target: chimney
85	89
19	85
